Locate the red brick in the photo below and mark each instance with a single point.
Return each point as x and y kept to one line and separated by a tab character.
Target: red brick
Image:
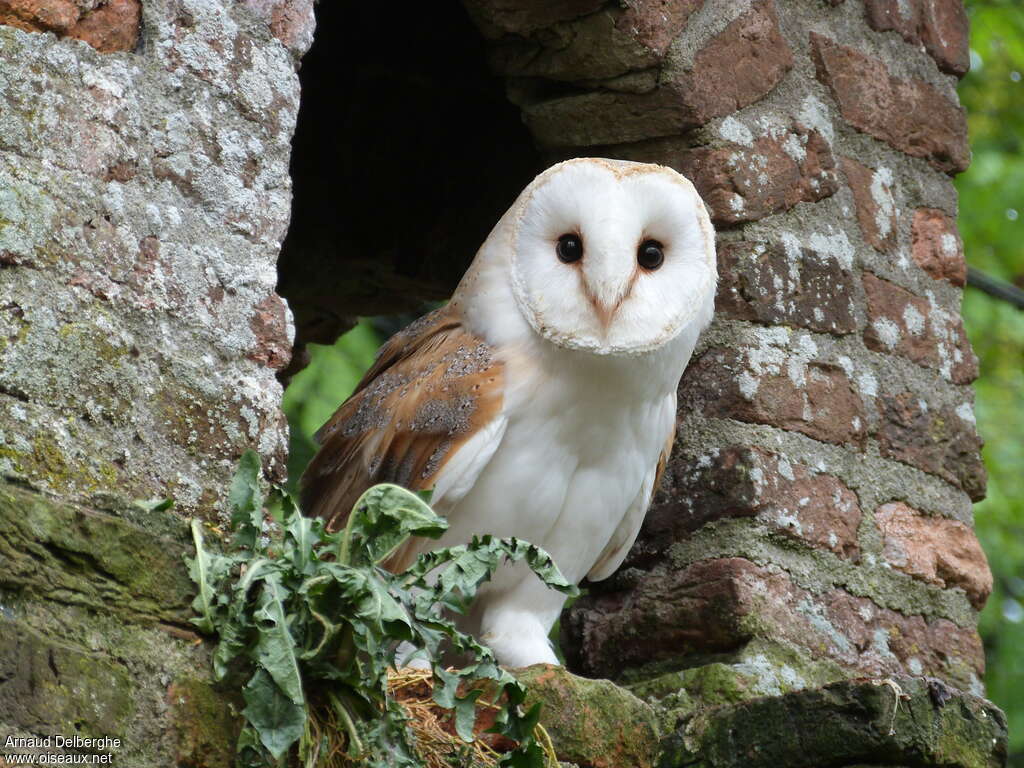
741	184
764	284
717	606
789	499
39	15
937	247
656	23
775	387
936	550
876	208
933	439
599	46
940	25
270	326
738	67
908	325
111	27
910	115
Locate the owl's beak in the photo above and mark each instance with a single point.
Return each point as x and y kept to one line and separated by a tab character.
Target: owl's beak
607	299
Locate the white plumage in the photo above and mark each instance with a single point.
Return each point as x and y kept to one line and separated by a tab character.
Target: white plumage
541	401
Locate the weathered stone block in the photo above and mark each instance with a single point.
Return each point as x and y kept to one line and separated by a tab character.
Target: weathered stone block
773	386
897	721
108	25
892	109
773	174
938	440
774	285
719	605
940	25
876	207
53	688
785	497
918	329
937	247
934	549
92	559
738	67
592	722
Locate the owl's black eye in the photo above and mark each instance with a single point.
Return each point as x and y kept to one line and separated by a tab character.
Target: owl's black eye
650	255
569	249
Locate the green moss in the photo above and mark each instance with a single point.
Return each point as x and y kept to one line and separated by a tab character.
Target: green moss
593	722
206	725
89	558
55	687
903	721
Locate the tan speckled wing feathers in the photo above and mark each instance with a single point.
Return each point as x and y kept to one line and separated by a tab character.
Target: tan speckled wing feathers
433	386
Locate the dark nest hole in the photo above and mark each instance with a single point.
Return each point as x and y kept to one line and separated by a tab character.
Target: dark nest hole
405	155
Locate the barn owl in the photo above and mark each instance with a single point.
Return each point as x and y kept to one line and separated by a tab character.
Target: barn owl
540	402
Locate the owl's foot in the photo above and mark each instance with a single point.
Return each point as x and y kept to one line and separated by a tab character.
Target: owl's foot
518	639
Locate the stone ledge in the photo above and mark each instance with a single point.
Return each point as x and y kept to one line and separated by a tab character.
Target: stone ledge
81	557
900	721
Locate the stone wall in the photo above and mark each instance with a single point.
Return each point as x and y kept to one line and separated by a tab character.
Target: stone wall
815	522
144	194
815	519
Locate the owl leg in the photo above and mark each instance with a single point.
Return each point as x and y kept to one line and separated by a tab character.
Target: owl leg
515	623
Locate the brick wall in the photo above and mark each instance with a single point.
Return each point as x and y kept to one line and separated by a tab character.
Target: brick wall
818	502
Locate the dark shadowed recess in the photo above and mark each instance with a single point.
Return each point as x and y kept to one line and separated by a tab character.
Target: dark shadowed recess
405	155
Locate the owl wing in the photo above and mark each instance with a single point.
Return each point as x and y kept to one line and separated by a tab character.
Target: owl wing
428	414
619	545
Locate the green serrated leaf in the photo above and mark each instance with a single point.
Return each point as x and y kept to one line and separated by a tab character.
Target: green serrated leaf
303	535
384	517
528	756
277	718
465	714
206	570
275	648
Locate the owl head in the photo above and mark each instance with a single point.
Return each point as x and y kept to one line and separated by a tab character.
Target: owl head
610	257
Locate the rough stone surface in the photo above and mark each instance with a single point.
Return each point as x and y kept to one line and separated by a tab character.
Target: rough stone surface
814	292
792	499
763	387
93	626
107	25
736	68
141	212
893	109
893	721
115	561
936	439
937	247
718	606
943	552
908	325
291	21
592	722
940	25
876	208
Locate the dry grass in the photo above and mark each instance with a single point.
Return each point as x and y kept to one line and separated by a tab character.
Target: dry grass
433	729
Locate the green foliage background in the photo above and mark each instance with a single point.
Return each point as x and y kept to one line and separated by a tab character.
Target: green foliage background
992	225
